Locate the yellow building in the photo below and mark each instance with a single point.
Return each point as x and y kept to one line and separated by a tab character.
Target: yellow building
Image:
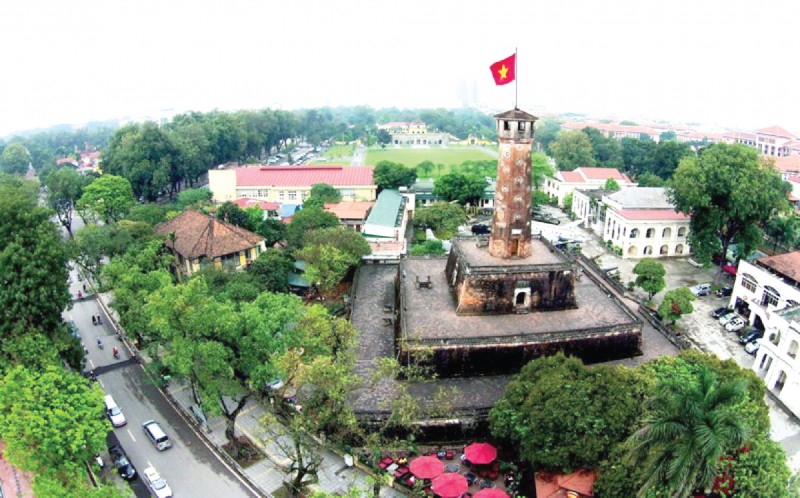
290	184
199	240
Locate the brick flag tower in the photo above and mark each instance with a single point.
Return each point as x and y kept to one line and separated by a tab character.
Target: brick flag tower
511	225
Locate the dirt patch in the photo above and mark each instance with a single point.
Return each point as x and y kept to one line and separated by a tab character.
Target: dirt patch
248	454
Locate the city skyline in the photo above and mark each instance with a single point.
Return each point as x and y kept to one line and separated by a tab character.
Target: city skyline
716	63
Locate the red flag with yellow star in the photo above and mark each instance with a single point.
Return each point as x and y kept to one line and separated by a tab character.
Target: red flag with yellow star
504	71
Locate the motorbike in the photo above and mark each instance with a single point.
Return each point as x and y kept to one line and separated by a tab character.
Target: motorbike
99	320
116	353
99	343
94	320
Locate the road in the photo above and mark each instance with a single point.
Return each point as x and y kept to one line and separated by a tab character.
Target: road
189	467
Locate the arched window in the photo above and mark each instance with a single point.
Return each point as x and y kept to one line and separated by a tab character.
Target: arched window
749	282
792	352
648	250
682	232
679	249
634	233
770	297
667	233
664	250
650	233
632	251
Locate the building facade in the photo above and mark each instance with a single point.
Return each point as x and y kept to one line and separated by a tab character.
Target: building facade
563	183
290	184
767	293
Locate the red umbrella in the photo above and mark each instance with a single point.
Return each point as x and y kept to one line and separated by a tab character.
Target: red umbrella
426	467
491	493
450	485
480	453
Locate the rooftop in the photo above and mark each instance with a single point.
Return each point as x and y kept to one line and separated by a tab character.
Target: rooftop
786	264
786	164
304	176
642	198
246	202
776	131
479	257
652	214
199	235
350	210
387	209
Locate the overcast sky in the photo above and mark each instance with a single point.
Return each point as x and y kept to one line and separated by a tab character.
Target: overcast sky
726	63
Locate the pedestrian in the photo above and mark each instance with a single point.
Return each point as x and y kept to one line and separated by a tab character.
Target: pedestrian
84	287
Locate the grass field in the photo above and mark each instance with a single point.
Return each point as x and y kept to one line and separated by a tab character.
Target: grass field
449	158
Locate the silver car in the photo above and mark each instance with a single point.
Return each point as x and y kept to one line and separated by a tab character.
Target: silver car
727	318
736	324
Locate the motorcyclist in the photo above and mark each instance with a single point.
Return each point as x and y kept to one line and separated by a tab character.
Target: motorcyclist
94	320
116	352
80	295
99	343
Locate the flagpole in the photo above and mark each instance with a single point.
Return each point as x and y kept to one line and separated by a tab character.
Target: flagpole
516	78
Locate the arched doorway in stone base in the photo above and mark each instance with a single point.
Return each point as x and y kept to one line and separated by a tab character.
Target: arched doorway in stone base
632	251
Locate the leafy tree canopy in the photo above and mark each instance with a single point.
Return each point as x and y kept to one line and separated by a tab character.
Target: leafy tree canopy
572	149
306	220
650	276
271	270
325	193
392	175
611	184
194	197
64	188
108	197
440	217
433	247
14	159
460	187
676	303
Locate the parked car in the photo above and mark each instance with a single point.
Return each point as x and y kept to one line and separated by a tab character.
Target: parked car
701	290
751	335
113	412
724	291
720	312
736	324
752	346
121	462
156	483
723	320
156	435
481	229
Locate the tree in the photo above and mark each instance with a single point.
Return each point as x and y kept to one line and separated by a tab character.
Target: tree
194	197
233	214
607	151
761	470
667	135
784	229
638	155
15	159
392	175
425	168
546	133
328	264
271	270
459	187
689	427
676	303
384	137
273	231
728	192
611	184
433	247
64	188
50	420
306	220
33	263
650	276
108	197
572	149
441	217
540	168
667	157
325	193
555	401
649	180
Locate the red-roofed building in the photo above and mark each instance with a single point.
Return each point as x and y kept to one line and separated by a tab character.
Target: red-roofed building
774	141
585	178
290	184
351	214
640	220
579	484
270	208
739	137
618	131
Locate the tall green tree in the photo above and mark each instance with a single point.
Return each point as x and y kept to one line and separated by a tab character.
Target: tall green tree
306	220
33	262
460	187
271	270
233	214
668	156
638	155
650	276
64	188
784	229
15	159
392	175
688	429
607	151
572	149
612	185
50	420
331	253
555	401
540	168
546	132
729	192
325	193
108	197
440	217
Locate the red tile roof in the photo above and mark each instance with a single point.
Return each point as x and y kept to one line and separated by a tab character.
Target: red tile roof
776	131
246	202
556	485
786	164
788	264
198	235
571	176
601	173
652	214
304	176
350	210
739	135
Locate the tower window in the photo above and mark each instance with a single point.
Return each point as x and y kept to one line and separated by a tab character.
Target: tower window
521	126
506	127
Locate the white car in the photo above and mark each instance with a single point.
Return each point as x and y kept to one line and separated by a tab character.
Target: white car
752	346
156	483
727	318
736	324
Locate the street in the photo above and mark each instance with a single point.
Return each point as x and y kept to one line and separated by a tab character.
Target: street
189	467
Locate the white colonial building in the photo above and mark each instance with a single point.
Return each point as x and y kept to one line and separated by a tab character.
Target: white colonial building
640	220
563	183
767	293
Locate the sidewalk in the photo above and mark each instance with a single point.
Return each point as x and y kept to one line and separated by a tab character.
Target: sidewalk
269	474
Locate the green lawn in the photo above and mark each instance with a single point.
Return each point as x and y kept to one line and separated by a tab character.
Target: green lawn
450	158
